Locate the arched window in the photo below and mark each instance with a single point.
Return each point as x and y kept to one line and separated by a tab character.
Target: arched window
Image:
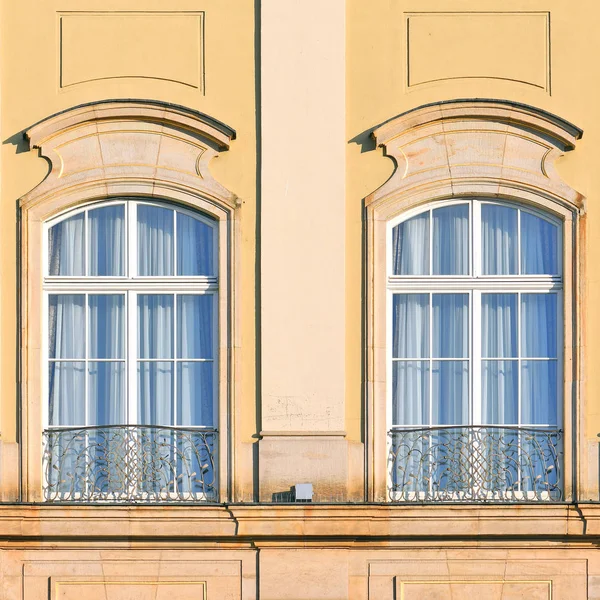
129	318
131	292
472	308
475	360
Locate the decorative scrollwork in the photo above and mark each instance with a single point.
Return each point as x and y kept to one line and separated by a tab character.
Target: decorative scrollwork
126	463
475	464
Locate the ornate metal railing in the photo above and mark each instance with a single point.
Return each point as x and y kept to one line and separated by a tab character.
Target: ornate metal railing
127	463
475	464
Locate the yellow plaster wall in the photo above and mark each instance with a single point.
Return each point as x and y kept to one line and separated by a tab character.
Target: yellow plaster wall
393	67
55	55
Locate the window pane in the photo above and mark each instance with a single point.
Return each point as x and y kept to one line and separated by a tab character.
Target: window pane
451	240
195	246
538	392
195	326
66	243
106	249
155	326
499	325
155	240
195	393
106	325
499	239
410	392
66	326
66	393
106	389
539	241
155	393
451	325
411	326
450	379
499	391
538	325
410	246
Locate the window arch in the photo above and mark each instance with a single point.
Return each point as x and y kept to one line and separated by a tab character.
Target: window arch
129	229
472	239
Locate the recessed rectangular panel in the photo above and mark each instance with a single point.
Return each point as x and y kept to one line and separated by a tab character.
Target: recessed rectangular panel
128	590
511	46
96	46
490	590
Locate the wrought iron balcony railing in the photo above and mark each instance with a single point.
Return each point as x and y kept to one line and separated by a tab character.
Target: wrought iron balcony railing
130	463
475	464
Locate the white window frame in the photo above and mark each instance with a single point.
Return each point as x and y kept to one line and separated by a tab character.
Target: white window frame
474	284
130	286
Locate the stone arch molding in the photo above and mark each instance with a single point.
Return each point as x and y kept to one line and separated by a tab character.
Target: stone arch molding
462	148
476	147
129	147
125	149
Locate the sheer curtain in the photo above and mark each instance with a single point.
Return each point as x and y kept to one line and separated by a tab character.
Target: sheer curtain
195	370
106	384
66	351
195	246
410	378
499	383
451	240
410	246
539	385
155	240
499	239
66	247
539	241
106	241
450	377
155	342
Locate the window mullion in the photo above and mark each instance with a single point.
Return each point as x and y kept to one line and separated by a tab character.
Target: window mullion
476	364
131	416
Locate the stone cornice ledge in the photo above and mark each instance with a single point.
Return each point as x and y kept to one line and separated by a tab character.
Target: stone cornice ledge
349	522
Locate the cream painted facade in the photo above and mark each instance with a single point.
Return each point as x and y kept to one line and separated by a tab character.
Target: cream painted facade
302	130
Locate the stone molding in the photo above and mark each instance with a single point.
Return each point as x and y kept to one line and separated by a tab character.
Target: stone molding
461	149
334	525
126	149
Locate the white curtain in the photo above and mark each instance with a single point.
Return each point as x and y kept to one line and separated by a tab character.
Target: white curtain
195	246
195	377
499	377
155	240
106	245
450	378
539	341
106	383
539	241
155	341
66	381
66	242
410	378
410	246
499	239
451	240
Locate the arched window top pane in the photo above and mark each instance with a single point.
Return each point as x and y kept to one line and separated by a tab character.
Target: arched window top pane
539	245
410	246
100	240
499	239
511	240
66	247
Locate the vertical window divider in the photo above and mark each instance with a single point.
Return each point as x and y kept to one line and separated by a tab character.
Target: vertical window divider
476	352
